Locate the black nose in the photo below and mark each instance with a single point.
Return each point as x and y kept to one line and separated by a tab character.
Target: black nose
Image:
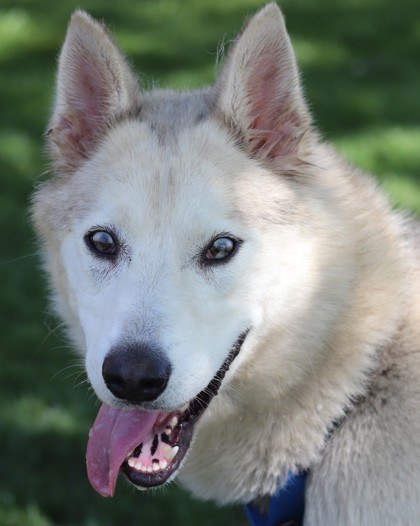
136	373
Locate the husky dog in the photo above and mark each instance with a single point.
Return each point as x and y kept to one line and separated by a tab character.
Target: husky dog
209	243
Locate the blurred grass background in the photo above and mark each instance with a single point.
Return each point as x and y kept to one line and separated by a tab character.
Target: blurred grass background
361	67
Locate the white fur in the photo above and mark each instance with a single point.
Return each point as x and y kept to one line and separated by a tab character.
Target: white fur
324	278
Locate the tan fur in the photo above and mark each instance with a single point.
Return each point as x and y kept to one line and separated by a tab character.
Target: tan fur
328	379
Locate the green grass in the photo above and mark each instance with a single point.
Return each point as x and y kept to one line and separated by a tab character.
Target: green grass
360	63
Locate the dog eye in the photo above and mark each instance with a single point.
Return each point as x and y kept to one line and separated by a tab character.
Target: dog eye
101	242
220	249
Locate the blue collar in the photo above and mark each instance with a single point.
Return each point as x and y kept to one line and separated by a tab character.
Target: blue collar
286	506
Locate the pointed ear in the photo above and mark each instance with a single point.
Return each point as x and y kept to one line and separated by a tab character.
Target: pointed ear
94	83
259	92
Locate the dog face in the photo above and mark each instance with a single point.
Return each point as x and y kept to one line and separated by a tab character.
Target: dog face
168	251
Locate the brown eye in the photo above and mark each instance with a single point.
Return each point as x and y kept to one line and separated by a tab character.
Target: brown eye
102	243
220	249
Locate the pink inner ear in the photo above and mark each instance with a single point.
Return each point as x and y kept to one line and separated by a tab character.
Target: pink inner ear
262	92
274	120
87	98
90	89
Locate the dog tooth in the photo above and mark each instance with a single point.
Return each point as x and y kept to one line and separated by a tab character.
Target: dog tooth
156	467
149	469
168	430
172	453
142	468
163	464
174	421
138	465
132	462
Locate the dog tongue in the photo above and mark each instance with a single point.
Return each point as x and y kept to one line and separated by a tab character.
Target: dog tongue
115	433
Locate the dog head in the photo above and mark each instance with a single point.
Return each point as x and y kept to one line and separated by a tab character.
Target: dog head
175	233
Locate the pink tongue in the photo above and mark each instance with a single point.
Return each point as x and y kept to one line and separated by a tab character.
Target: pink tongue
115	433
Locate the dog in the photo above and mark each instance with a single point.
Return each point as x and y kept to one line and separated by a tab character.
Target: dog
246	301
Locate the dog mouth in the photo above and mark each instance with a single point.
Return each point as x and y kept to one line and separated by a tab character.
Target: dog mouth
148	447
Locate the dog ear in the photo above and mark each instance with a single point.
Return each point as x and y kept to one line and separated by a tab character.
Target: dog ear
94	83
259	92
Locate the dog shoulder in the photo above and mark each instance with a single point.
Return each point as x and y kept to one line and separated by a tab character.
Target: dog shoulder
379	441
